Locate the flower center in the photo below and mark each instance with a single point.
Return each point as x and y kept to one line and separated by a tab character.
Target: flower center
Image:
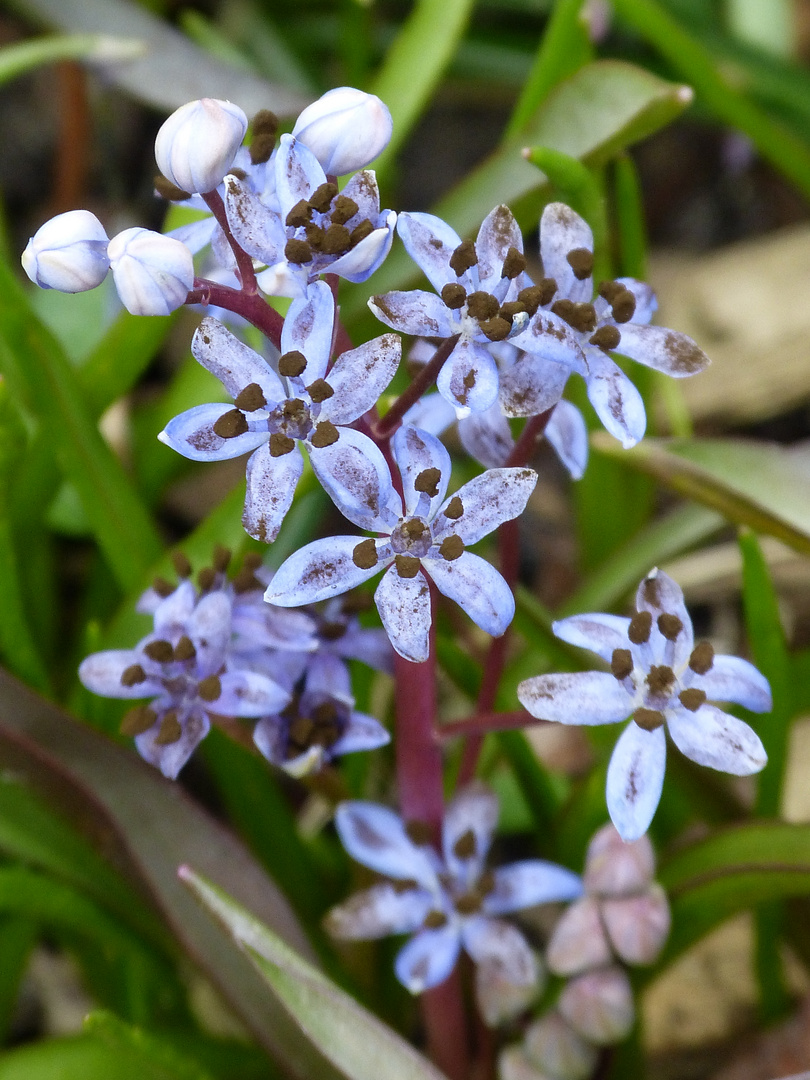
412	537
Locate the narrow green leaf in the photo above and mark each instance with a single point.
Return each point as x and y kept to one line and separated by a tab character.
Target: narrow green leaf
757	484
159	1059
349	1036
631	228
124	353
17	59
17	938
72	1058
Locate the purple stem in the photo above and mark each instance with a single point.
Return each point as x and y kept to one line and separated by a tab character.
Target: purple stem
425	378
244	263
249	305
480	723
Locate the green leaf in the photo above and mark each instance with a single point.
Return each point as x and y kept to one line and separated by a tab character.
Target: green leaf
349	1036
761	485
17	939
158	1058
77	1058
17	59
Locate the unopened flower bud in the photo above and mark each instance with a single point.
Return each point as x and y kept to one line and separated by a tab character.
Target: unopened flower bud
578	942
514	1064
153	273
68	253
638	926
599	1005
196	146
552	1043
616	868
345	129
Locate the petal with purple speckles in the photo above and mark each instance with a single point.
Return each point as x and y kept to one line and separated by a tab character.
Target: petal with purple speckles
232	362
477	588
567	433
583	697
416	451
714	738
499	231
404	607
597	632
562	231
308	329
271	483
665	350
192	435
355	475
358	378
733	679
322	569
414	312
375	836
488	500
469	378
617	402
635	778
428	958
430	242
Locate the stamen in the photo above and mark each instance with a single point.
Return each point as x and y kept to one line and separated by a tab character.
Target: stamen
407	566
291	364
508	311
299	216
581	262
169	191
137	720
513	264
621	663
463	257
325	713
207	578
451	548
315	235
465	847
222	558
692	698
660	679
415	529
428	481
624	306
231	424
343	209
365	555
608	290
297	251
531	298
300	733
325	434
435	920
454	295
606	338
581	317
240	174
649	719
321	197
251	398
639	629
170	730
496	329
320	391
160	651
133	675
454	509
468	904
702	658
670	626
360	232
184	649
162	587
418	833
337	240
547	287
281	444
265	122
210	688
261	148
246	581
181	564
482	305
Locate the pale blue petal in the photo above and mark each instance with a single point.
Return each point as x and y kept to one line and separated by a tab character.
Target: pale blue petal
431	413
101	672
660	595
358	378
196	234
477	588
486	436
665	350
271	483
430	242
584	697
715	738
174	610
561	231
327	674
362	188
547	335
617	402
473	810
356	477
532	385
254	226
170	759
646	302
358	264
378	912
499	231
469	378
209	627
428	958
488	500
567	433
362	732
375	836
298	173
415	312
308	329
232	362
635	778
246	693
499	946
734	679
320	570
369	645
192	435
597	632
532	881
404	607
414	451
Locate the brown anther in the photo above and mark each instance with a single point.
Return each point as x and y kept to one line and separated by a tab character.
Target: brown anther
246	581
251	398
486	883
321	197
649	719
209	688
184	649
496	329
548	287
608	290
299	216
252	560
419	833
510	310
581	262
360	232
280	444
463	257
291	364
181	564
482	305
454	295
702	658
407	566
670	626
300	733
531	298
160	651
294	410
297	251
169	191
137	720
415	528
343	209
365	555
692	698
261	148
170	730
355	603
264	122
624	306
320	391
465	847
333	631
605	338
133	675
162	587
513	264
621	663
428	481
207	578
639	629
315	236
468	904
240	174
454	509
325	434
660	679
435	920
581	317
451	548
222	558
337	240
230	424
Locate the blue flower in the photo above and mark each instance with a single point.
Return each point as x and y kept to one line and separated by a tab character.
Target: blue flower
272	413
450	901
659	677
422	532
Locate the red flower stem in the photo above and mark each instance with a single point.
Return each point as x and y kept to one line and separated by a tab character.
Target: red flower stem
508	544
480	723
446	1027
249	305
425	378
244	263
341	342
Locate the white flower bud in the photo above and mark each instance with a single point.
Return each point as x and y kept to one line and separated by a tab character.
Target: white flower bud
599	1005
616	868
552	1043
345	129
638	926
514	1064
153	273
578	942
196	146
68	253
